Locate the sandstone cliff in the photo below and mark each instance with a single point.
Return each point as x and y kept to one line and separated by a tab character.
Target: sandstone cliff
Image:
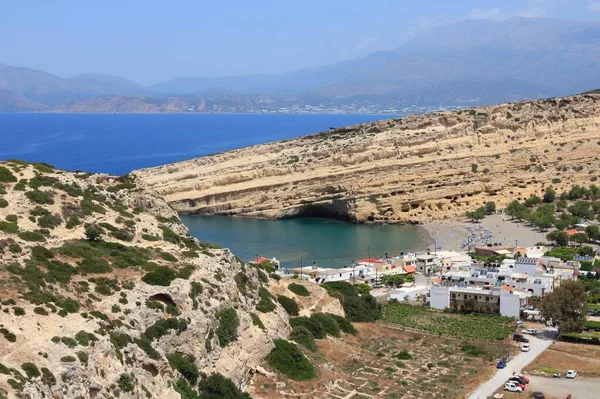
413	169
103	292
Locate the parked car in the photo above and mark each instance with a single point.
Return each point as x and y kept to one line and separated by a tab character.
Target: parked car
519	322
538	395
501	364
525	347
571	374
531	331
522	377
512	387
519	338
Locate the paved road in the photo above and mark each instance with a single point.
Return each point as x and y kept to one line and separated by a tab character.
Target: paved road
539	343
579	388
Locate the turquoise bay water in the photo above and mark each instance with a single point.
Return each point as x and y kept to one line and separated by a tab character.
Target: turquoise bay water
117	144
330	243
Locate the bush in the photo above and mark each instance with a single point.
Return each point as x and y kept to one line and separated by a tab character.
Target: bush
126	382
83	357
83	338
228	325
146	345
19	311
290	361
290	306
94	265
313	326
344	324
257	321
40	253
215	386
49	221
302	335
402	355
162	276
68	359
163	326
265	304
6	175
40	197
40	310
363	308
3	203
329	324
32	236
47	377
92	232
185	365
298	289
31	370
8	227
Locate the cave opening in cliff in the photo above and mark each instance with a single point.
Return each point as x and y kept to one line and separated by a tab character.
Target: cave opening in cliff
336	211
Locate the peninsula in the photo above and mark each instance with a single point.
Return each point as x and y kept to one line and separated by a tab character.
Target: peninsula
415	169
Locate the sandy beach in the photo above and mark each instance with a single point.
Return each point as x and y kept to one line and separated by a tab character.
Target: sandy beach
450	235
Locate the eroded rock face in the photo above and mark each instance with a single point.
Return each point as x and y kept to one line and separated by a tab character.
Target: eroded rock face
56	288
412	169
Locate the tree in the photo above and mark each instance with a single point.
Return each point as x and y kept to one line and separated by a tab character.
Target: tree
490	208
477	214
566	306
586	250
582	209
593	232
560	238
532	201
363	289
549	195
580	238
393	280
92	232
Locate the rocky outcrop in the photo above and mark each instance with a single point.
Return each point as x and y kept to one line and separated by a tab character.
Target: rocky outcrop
87	317
413	169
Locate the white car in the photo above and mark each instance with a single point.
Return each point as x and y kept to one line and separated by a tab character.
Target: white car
512	387
525	347
531	331
571	374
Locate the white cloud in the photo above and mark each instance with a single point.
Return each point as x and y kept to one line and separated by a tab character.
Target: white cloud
532	12
481	13
594	6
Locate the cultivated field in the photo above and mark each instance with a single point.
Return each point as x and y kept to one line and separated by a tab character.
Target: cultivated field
388	363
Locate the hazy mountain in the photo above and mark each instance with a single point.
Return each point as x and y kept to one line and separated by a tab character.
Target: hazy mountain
470	62
52	90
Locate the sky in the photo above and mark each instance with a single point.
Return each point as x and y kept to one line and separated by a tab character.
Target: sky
152	41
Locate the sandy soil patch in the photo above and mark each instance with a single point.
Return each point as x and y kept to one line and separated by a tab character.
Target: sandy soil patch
563	356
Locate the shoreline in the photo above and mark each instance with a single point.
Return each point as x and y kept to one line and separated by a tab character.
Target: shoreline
449	235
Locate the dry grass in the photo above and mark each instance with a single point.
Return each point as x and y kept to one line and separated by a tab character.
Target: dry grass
364	364
563	356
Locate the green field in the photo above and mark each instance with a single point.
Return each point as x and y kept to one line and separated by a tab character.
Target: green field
474	326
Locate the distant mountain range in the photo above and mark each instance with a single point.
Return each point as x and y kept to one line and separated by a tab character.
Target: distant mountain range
472	62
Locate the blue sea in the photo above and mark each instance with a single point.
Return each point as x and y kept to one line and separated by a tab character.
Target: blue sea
119	143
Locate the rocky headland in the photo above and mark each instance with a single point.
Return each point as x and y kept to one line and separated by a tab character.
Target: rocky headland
104	294
410	170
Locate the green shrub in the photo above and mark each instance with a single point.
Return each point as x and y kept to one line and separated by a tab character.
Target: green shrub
312	325
149	237
83	357
40	197
12	218
228	325
94	265
68	359
49	221
73	221
32	236
290	306
290	361
40	253
31	370
168	257
329	324
8	227
402	355
162	276
298	289
126	382
215	386
146	345
122	235
304	337
19	311
257	321
6	175
47	377
185	365
163	326
344	324
3	203
363	308
15	248
243	282
40	310
265	304
83	338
